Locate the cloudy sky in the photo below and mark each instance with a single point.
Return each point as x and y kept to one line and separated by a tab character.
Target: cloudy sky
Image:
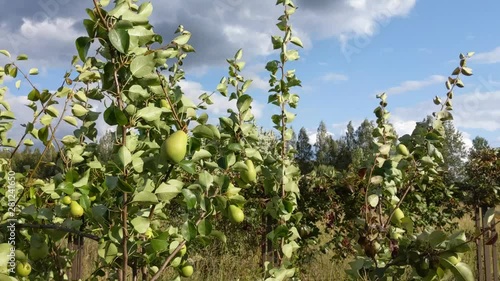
354	49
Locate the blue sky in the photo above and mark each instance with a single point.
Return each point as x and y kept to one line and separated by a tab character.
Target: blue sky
354	49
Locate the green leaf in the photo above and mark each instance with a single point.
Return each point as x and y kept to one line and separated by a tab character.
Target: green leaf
120	117
142	65
52	111
124	156
173	245
5	53
28	142
34	95
215	131
461	271
168	191
120	39
188	231
46	120
108	252
292	55
182	39
205	227
82	46
140	224
189	198
287	250
7	115
104	3
138	164
188	166
146	197
124	186
296	41
143	34
253	154
244	102
18	84
22	57
376	179
205	179
79	110
201	154
437	237
219	235
149	113
33	71
238	54
466	71
203	131
159	245
70	120
373	200
384	149
13	71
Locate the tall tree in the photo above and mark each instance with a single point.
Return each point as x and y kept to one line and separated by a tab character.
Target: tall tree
304	156
105	146
480	143
363	134
346	146
454	154
292	143
350	137
363	141
322	145
334	151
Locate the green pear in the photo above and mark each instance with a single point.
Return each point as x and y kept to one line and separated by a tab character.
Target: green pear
175	146
236	214
249	175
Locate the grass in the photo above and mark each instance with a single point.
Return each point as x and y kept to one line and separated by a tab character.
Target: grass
218	263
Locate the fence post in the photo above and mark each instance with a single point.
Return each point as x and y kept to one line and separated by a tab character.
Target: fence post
487	251
495	253
487	256
75	243
479	245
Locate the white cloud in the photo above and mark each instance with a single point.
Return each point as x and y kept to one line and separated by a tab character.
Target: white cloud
492	56
331	76
403	127
413	85
312	137
60	29
254	40
47	43
219	27
477	110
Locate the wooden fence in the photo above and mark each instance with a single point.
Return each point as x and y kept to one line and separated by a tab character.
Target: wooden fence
486	250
